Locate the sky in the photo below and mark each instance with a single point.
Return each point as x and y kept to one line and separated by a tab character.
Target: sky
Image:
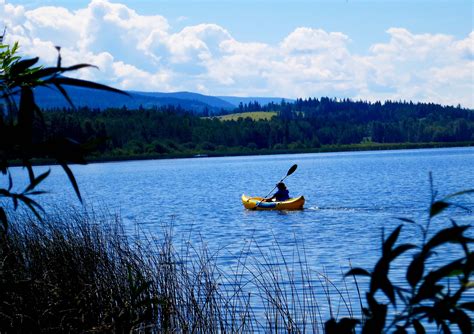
415	50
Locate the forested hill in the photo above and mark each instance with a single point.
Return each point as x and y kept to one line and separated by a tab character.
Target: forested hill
98	99
303	125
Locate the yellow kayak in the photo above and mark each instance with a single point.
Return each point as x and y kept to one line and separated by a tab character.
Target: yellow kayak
255	203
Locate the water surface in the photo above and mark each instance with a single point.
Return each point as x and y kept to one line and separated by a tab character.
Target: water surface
350	198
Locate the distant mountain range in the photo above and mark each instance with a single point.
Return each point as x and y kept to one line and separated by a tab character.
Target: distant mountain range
97	99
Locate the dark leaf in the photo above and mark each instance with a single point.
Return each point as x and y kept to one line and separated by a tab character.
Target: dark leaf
376	318
347	325
400	250
419	329
32	205
379	275
29	168
66	95
470	262
464	192
399	292
456	272
463	321
450	234
427	290
86	84
43	73
400	330
437	207
330	327
366	312
29	201
387	288
373	304
373	325
37	193
4	220
25	114
358	272
36	181
5	193
468	306
22	65
445	327
425	311
10	181
72	179
406	220
465	208
50	73
445	271
58	63
415	269
388	244
76	67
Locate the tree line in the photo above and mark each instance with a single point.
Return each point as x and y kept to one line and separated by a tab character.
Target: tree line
299	125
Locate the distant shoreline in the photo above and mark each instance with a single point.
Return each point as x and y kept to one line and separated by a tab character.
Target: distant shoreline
231	153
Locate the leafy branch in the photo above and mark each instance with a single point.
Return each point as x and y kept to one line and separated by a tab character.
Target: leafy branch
427	296
22	130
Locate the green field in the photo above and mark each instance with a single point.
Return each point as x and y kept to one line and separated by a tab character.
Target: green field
254	115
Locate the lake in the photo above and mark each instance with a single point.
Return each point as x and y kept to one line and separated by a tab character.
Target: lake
350	198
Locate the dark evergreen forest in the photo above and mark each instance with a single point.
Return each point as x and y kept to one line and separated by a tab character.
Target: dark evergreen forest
306	124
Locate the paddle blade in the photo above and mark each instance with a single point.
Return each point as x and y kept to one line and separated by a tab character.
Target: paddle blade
292	170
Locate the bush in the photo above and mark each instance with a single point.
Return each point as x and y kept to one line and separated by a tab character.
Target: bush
279	147
206	146
437	295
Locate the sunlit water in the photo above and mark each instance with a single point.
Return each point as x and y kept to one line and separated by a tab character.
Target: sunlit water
350	198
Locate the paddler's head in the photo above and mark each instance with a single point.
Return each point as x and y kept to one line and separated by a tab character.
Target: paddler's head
281	186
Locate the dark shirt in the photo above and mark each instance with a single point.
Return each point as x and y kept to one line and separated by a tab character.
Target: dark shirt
282	195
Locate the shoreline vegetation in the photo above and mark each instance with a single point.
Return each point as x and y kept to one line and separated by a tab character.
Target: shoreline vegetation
304	126
366	147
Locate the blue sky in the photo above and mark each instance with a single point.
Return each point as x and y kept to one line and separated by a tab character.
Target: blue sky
375	50
271	20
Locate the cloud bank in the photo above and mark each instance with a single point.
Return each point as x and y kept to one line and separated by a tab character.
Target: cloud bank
141	52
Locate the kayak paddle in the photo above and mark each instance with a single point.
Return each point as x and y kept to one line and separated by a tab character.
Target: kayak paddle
290	171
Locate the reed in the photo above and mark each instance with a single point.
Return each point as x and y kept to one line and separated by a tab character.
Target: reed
80	271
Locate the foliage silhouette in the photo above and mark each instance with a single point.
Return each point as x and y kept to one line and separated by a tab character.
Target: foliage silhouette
23	135
427	296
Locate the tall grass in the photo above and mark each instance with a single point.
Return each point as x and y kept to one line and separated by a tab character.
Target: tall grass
79	272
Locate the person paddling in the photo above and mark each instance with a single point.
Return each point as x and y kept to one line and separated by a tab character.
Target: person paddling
281	195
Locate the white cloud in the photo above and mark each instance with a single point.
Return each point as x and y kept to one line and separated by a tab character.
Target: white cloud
142	52
54	24
313	40
424	67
